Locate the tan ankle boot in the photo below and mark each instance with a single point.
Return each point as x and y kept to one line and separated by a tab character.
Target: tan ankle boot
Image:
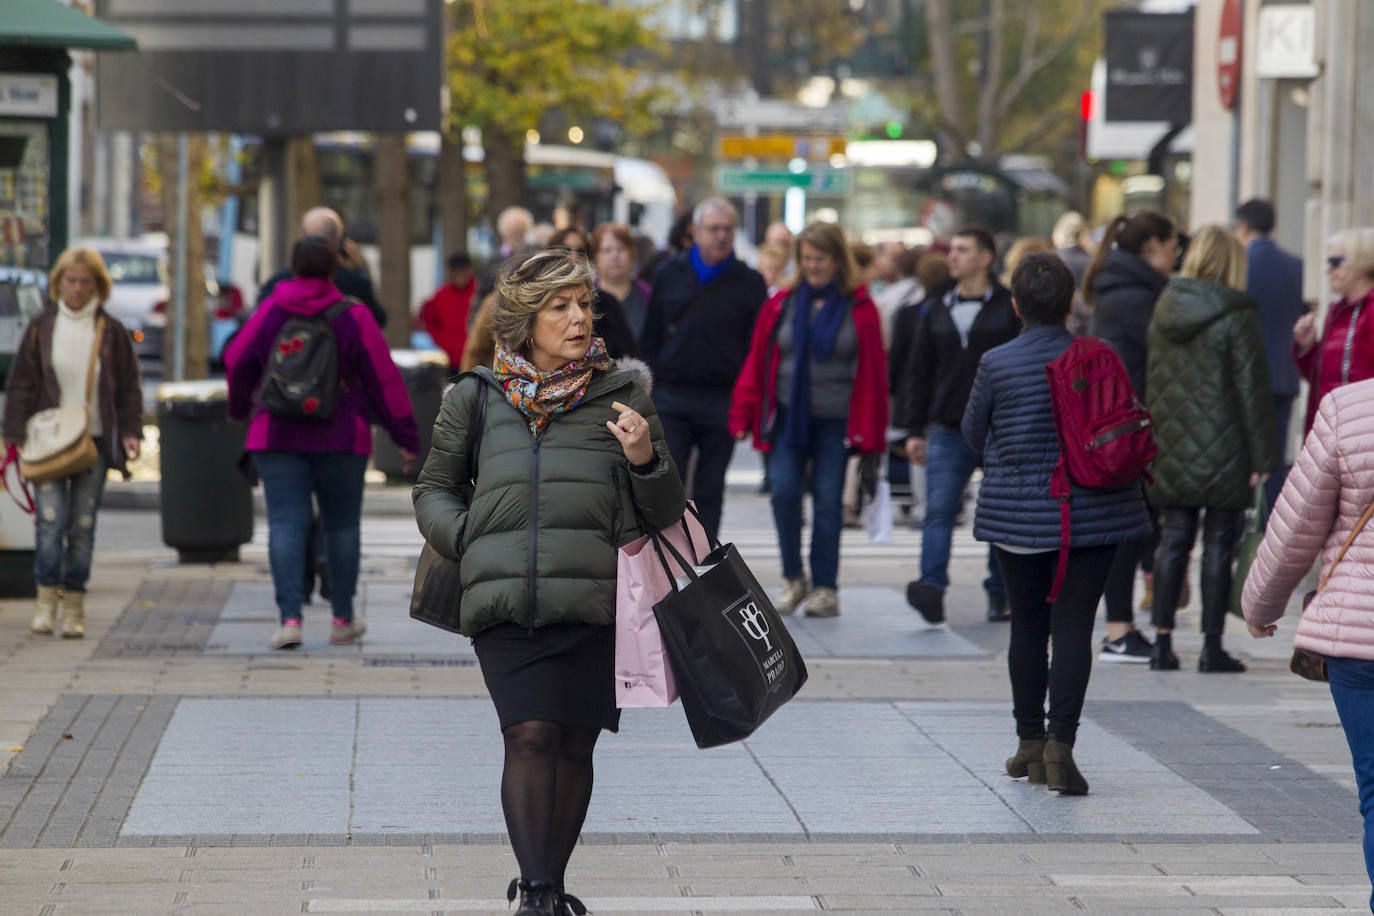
1029	761
73	615
46	610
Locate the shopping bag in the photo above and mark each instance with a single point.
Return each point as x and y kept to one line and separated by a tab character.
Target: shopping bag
877	515
643	675
1249	546
733	660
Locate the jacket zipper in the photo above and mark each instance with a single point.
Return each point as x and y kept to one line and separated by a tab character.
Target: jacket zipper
534	530
615	504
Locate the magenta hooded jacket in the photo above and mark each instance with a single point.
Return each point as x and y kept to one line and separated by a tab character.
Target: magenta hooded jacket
1325	494
373	385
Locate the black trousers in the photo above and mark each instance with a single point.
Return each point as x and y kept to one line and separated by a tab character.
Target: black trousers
1035	672
1221	531
1120	591
699	420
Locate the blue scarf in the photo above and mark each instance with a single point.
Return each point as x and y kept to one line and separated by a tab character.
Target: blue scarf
811	339
708	272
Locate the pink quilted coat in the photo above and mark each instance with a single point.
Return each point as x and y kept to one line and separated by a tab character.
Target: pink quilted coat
1330	486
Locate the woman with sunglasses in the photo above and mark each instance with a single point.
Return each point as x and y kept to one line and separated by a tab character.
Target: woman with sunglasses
1345	351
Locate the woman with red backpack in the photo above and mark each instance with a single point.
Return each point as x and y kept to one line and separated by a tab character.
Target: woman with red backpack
1010	425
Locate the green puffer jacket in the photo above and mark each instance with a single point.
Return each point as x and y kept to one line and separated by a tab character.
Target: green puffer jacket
538	544
1209	396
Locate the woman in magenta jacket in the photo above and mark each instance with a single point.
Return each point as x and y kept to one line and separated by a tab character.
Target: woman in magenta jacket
814	387
1321	504
298	457
1345	352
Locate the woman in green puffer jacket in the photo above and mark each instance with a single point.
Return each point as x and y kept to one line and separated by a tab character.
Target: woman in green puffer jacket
571	446
1208	384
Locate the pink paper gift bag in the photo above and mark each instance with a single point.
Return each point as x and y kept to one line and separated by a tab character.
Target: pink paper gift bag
643	675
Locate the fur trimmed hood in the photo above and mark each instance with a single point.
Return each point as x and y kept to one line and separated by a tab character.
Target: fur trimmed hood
644	377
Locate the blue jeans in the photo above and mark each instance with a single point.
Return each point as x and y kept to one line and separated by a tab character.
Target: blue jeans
64	536
701	420
336	479
949	465
825	448
1352	689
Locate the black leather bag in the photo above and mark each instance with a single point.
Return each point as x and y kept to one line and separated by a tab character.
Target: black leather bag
734	661
437	596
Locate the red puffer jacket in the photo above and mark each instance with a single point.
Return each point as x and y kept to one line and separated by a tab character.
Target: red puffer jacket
755	398
1323	364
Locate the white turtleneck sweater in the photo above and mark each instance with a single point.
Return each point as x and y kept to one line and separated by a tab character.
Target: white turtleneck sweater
72	338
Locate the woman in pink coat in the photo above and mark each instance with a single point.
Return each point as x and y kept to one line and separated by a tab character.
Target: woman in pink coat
1322	501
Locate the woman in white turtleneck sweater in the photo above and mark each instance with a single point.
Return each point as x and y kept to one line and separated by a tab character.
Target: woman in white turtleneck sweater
50	371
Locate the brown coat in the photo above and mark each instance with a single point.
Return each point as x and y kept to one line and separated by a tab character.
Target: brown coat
32	385
480	349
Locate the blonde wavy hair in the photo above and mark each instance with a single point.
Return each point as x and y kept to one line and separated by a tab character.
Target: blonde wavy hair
88	258
525	286
1217	254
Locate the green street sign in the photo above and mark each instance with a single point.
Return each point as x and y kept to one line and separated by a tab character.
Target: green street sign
817	180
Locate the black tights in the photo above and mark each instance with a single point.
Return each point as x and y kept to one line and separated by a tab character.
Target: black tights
545	789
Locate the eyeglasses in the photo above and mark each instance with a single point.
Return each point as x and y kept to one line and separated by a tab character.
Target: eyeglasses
1336	260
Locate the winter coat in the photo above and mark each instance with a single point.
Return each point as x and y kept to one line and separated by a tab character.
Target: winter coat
940	367
1323	365
352	283
371	385
697	337
537	544
1124	294
32	385
445	318
1274	278
754	405
1328	489
1209	396
1009	425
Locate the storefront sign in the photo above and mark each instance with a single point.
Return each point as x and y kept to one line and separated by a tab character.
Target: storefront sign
1149	67
1286	42
28	95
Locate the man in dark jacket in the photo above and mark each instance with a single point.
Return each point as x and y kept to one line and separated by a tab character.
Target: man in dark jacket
355	284
697	329
956	328
1274	280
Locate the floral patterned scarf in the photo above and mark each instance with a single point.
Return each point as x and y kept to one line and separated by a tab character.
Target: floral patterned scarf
541	396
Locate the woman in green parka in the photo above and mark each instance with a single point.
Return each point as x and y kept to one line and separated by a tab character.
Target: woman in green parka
571	445
1208	381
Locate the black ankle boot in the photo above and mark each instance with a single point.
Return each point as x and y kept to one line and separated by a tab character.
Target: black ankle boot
1061	773
537	898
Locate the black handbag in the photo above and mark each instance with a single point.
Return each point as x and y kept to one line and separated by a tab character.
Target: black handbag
734	661
437	596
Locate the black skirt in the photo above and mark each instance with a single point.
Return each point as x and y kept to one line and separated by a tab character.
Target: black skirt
561	673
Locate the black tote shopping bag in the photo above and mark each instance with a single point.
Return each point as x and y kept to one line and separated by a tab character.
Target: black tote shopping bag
734	661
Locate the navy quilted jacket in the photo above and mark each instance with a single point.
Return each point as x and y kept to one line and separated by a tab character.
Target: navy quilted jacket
1009	423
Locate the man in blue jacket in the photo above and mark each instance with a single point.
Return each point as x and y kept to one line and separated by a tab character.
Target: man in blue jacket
1274	280
697	329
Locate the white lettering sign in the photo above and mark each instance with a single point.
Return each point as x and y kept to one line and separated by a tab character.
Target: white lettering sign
1286	36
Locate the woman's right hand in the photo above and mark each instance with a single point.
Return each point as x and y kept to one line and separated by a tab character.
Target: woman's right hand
1305	332
1261	632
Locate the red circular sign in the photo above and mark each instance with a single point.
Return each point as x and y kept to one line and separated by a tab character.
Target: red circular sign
1228	53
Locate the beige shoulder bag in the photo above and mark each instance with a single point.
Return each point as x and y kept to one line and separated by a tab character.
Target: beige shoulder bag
57	441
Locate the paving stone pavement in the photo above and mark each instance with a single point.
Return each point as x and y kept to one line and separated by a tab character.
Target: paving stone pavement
170	764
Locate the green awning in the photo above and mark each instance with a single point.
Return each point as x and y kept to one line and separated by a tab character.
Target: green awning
49	24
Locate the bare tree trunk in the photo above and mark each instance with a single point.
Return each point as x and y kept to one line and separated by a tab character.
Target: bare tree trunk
988	121
391	185
504	163
945	63
452	187
196	331
303	186
756	30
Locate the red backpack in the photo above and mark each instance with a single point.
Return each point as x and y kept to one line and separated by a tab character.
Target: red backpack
1104	434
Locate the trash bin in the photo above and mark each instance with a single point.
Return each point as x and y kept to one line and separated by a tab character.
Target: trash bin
426	373
207	505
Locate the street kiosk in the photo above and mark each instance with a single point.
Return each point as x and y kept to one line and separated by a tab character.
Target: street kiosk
35	99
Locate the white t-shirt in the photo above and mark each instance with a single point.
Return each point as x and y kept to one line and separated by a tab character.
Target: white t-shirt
965	312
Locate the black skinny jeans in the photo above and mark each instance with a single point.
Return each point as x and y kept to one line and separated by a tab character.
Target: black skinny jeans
1069	622
1120	591
1221	531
